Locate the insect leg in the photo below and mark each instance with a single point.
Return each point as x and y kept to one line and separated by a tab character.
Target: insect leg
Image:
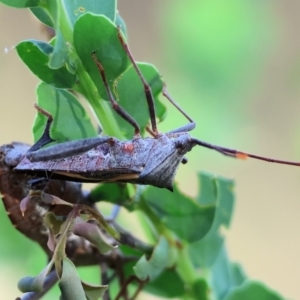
184	128
45	138
147	88
119	110
242	155
37	183
67	149
62	150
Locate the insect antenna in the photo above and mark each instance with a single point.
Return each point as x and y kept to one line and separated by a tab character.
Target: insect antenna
241	155
167	95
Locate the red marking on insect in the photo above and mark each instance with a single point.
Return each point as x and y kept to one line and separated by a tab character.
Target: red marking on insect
129	147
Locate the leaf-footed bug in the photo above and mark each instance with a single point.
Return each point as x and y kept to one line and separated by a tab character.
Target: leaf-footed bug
151	161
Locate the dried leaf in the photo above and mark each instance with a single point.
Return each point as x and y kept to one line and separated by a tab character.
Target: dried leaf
92	233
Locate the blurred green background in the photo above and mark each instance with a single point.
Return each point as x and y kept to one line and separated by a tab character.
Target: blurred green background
234	66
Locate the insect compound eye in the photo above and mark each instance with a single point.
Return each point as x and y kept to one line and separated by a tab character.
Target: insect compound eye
178	145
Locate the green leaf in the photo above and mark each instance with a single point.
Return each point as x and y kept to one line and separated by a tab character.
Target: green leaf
60	53
92	291
201	289
104	41
130	93
253	290
208	189
125	84
152	267
22	3
70	284
35	54
205	251
225	275
189	220
117	193
168	284
42	16
34	284
70	119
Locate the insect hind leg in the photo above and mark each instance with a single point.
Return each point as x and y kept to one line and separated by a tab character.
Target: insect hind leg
118	109
147	88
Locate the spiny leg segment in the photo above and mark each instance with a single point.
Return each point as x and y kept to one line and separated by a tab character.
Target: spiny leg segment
149	96
147	88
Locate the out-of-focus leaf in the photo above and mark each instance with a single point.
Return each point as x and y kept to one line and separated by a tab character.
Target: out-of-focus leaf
189	220
70	119
41	15
70	284
253	290
201	289
205	251
75	9
150	268
208	50
116	193
208	189
22	3
225	275
92	291
34	284
168	285
92	233
35	54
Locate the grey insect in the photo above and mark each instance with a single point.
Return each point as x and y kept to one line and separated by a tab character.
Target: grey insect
151	161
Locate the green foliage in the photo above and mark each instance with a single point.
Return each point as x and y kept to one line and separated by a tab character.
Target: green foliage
180	216
150	268
35	54
67	112
205	251
187	257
